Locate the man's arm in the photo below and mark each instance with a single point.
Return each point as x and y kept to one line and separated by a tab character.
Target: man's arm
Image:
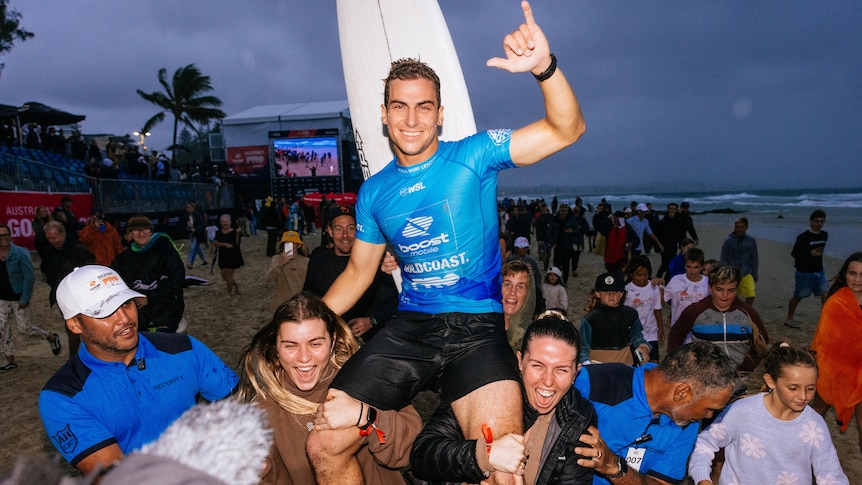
526	50
600	458
351	284
104	457
690	229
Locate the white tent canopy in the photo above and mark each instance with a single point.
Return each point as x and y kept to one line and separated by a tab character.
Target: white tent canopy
252	126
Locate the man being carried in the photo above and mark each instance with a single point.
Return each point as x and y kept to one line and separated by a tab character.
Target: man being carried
445	232
122	388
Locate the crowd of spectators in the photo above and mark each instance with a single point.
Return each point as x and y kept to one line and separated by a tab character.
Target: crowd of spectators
119	158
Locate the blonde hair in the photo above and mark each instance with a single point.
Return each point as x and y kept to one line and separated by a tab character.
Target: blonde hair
261	373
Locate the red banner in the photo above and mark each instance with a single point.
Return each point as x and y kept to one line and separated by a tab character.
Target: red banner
247	161
19	208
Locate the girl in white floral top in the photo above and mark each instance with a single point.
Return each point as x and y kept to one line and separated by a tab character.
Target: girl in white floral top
772	437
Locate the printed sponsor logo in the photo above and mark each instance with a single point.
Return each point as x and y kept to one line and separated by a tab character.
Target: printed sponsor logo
417	226
499	136
410	190
436	282
436	265
426	246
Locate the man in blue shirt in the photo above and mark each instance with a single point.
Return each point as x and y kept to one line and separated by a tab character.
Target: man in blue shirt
436	204
649	416
122	388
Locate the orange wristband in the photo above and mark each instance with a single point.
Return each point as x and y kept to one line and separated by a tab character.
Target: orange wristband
489	438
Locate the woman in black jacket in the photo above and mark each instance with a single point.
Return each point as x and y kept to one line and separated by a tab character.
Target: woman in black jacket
555	415
152	266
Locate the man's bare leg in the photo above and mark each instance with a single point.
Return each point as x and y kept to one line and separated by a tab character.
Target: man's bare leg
332	454
498	405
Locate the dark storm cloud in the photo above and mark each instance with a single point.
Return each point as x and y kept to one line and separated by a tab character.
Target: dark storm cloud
732	94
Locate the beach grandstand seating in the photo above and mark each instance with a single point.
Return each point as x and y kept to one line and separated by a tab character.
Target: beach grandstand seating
23	169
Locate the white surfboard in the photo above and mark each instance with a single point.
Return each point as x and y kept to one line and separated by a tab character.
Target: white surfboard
373	34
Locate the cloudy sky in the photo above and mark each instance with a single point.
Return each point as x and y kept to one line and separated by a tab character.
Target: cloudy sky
676	94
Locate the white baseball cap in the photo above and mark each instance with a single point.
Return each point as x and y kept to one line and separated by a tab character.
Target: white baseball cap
93	290
522	242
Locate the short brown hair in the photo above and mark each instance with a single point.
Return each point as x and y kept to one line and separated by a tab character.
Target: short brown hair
516	266
408	69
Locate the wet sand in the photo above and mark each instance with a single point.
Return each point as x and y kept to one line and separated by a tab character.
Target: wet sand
227	325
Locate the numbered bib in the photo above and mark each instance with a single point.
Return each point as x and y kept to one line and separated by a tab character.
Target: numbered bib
635	457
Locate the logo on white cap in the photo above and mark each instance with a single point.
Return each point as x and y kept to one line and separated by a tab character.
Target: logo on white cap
93	290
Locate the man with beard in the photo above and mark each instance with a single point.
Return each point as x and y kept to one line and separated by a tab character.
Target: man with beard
380	300
122	388
649	415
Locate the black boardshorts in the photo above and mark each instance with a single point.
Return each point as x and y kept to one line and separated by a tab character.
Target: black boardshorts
454	353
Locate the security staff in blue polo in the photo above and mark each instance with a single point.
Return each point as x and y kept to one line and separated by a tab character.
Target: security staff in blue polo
649	416
123	388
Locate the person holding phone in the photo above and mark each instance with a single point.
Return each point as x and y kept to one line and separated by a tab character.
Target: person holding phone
287	269
101	238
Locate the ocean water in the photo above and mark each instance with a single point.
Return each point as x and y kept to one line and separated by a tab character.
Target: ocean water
779	215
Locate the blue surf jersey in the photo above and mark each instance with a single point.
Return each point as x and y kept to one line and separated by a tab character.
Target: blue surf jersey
441	217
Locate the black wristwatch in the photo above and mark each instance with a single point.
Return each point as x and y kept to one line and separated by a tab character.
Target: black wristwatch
371	417
624	468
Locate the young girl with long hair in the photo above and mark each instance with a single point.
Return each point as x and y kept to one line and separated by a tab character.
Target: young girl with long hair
836	346
774	436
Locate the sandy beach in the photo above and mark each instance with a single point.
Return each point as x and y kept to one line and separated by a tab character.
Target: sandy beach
227	325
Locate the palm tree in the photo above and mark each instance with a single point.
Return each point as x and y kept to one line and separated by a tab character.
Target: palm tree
183	98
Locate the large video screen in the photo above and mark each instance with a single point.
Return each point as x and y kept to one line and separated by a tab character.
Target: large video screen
306	157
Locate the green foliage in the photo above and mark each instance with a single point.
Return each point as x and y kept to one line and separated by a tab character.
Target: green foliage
197	142
10	29
184	97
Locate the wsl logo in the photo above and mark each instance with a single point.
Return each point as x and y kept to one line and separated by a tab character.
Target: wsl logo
65	439
418	227
415	188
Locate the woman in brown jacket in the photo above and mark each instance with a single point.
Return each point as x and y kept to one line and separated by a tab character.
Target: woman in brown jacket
287	369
